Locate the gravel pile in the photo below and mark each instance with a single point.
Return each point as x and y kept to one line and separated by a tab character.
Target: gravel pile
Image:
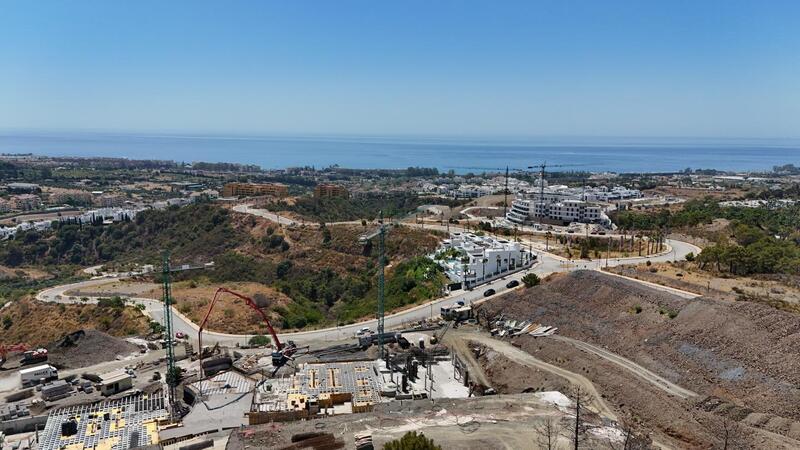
91	347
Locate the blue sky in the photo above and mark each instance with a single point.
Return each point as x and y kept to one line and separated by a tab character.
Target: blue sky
457	68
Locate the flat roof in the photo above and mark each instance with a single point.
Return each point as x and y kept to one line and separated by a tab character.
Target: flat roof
36	369
113	377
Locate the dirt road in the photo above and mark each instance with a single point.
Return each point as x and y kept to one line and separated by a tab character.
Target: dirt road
630	366
597	404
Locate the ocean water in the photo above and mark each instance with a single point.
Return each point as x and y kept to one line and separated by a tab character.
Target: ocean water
462	155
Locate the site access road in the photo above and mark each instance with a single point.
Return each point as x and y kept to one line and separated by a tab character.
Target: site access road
547	263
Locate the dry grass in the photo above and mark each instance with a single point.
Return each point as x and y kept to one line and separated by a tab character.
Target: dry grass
231	314
36	323
703	281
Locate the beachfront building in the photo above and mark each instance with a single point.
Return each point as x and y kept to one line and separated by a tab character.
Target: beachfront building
471	259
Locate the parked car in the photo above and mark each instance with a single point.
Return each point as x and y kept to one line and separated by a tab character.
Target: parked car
363	332
181	335
488	292
512	284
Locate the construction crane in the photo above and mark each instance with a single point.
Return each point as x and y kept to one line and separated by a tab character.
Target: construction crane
173	376
380	232
282	353
505	195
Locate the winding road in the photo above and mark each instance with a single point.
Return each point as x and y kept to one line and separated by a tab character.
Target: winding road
547	263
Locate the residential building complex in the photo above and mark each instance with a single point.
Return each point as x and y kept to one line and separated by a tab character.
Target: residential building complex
563	204
330	190
254	189
525	211
473	259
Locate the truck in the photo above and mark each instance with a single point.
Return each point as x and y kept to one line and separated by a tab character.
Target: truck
34	356
38	374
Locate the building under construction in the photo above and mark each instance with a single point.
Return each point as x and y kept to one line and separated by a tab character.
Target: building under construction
318	387
111	425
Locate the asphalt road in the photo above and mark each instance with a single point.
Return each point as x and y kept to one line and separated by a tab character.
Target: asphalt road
547	264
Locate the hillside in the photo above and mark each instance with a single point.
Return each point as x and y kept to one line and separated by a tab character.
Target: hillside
194	232
367	207
730	352
317	276
37	324
326	273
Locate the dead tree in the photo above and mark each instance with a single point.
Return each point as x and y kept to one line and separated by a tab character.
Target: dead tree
581	397
730	435
631	439
547	434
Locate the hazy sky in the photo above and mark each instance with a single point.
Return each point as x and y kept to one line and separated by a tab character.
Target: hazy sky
567	68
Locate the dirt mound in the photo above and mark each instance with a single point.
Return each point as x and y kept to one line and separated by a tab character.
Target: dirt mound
744	353
85	348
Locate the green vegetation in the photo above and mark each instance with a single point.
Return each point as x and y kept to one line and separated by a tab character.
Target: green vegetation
757	240
412	441
531	280
191	231
357	208
668	312
321	295
259	340
779	221
15	288
448	254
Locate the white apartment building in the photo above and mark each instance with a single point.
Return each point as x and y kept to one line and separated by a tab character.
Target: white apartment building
471	191
555	207
473	259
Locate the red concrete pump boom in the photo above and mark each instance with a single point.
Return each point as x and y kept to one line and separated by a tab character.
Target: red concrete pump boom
278	345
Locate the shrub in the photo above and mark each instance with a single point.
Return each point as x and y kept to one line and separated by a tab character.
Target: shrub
637	309
7	322
690	256
155	327
412	441
648	263
260	340
115	303
531	280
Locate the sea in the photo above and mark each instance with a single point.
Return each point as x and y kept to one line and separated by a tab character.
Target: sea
462	155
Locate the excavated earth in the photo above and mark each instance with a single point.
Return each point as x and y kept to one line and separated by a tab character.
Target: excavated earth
740	357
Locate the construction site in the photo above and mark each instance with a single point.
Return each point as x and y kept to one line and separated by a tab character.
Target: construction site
584	357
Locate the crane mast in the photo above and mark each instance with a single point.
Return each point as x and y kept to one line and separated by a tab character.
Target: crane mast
172	375
380	233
